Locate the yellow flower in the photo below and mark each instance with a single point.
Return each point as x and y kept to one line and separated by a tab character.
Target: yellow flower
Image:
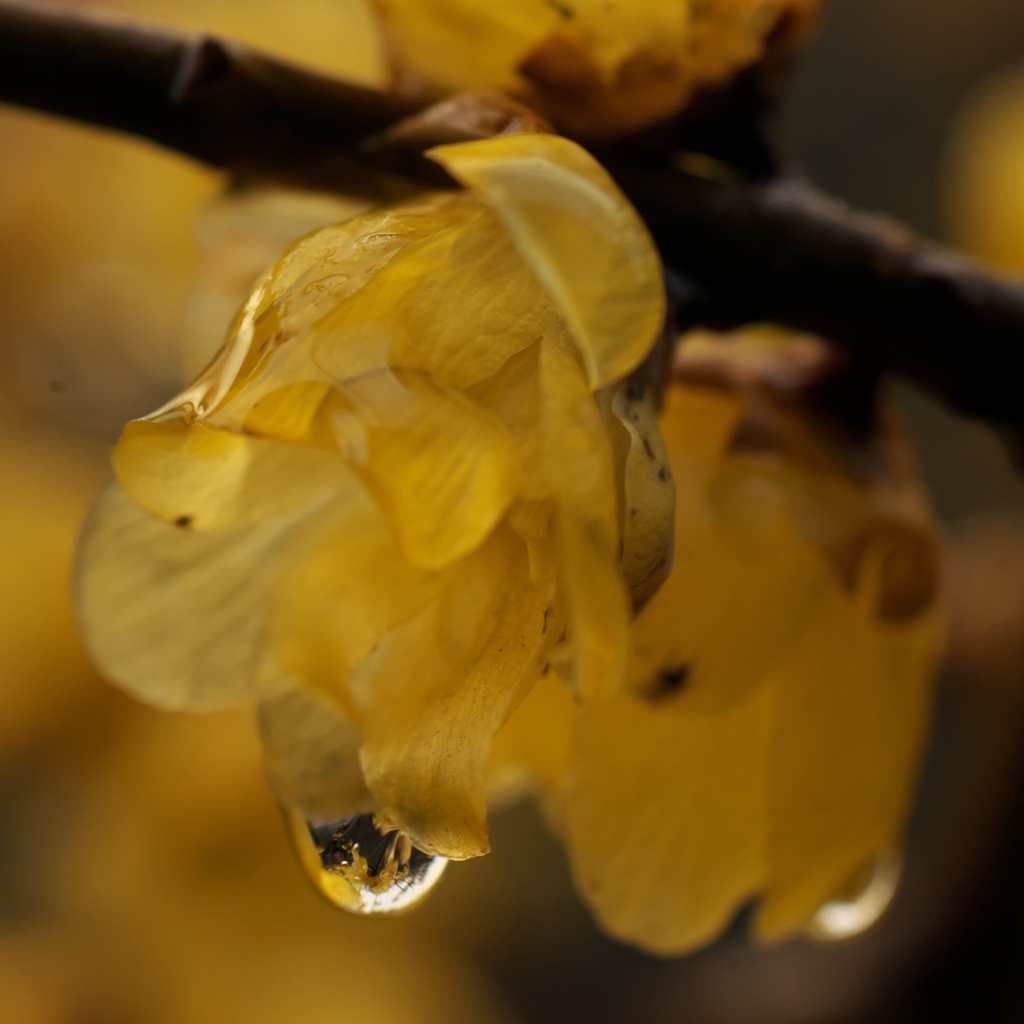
597	70
413	504
778	687
392	493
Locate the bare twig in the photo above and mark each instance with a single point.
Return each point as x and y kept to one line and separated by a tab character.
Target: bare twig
777	250
214	100
785	252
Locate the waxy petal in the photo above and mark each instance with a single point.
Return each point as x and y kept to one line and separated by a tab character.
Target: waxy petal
437	690
745	582
347	584
176	617
648	497
311	755
854	702
579	472
579	235
201	478
666	817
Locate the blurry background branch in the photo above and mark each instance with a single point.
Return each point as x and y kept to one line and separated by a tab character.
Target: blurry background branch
774	248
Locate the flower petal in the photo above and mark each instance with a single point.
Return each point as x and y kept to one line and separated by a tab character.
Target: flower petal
854	700
180	618
435	692
579	470
579	235
648	494
666	817
311	755
347	584
431	285
745	581
207	479
443	469
537	739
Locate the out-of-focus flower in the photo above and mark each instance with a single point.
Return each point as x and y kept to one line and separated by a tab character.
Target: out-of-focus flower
396	501
597	70
779	683
385	503
985	173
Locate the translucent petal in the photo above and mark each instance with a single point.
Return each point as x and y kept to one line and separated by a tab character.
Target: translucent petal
599	70
854	702
579	471
537	739
311	755
443	469
666	817
241	233
435	692
648	499
206	479
464	44
180	618
431	285
579	235
346	585
745	581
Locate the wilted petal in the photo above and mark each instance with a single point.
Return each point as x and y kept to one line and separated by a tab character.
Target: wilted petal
437	690
854	701
579	235
648	496
579	471
311	754
666	817
176	617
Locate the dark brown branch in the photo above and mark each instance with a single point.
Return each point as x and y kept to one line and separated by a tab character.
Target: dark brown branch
213	100
777	251
785	252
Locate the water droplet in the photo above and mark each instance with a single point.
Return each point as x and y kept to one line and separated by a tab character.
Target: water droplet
845	918
362	869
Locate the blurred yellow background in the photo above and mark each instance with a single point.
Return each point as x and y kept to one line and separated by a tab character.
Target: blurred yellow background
144	873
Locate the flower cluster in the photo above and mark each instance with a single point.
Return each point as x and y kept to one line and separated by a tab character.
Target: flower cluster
597	69
423	508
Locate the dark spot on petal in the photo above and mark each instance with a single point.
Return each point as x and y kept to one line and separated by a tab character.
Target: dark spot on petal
648	449
635	389
183	521
668	683
563	10
663	475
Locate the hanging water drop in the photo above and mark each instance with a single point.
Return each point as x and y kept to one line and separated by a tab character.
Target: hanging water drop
844	918
361	868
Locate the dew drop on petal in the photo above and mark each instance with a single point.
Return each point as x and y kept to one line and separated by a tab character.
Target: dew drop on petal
843	919
362	869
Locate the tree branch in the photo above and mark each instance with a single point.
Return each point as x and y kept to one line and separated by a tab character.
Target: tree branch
214	100
778	250
784	251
